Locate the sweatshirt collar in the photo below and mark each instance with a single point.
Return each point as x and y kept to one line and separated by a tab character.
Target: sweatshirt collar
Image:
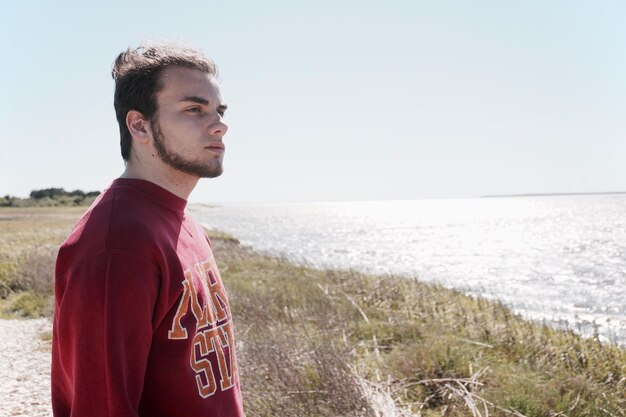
154	192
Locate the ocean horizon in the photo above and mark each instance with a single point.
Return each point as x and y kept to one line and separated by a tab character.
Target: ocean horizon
560	259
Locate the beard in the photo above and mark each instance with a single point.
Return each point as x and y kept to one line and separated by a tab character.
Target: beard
200	169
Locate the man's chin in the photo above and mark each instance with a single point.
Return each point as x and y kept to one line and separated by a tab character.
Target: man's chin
200	171
213	174
211	171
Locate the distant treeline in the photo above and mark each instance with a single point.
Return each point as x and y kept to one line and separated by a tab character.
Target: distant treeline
50	197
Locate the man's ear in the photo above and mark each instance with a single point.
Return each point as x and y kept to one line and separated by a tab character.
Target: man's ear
138	126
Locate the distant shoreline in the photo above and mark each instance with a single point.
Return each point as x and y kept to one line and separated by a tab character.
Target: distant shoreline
552	194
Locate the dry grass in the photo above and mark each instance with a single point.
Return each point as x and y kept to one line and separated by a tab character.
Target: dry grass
390	346
338	343
29	238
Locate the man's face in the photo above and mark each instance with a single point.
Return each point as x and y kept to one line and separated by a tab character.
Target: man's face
188	127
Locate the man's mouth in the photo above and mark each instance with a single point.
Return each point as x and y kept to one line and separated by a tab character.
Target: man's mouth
216	147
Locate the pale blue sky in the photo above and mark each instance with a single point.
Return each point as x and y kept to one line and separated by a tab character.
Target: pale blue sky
335	100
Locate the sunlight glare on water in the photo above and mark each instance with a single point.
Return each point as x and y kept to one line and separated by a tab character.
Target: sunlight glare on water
560	259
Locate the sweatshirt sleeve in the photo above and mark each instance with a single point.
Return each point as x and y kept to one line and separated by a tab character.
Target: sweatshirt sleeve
104	309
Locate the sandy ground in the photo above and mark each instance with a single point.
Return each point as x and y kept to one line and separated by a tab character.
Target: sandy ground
24	368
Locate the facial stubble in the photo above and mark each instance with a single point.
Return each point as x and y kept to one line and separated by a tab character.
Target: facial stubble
204	169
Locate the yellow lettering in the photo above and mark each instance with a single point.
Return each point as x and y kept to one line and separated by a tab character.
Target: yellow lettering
208	302
208	315
178	331
219	300
203	366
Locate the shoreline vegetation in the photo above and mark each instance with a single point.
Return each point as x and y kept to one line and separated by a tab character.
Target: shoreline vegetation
51	197
341	343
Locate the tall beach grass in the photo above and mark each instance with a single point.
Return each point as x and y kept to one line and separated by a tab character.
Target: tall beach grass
340	343
29	239
404	348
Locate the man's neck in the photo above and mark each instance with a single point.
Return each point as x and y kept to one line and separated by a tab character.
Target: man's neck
176	182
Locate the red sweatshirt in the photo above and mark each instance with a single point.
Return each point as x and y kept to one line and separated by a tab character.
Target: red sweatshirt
142	325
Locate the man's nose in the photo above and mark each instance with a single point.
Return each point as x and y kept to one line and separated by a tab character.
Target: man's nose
219	128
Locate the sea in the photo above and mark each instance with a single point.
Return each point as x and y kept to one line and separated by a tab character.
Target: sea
560	260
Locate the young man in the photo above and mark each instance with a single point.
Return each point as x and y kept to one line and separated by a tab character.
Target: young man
142	324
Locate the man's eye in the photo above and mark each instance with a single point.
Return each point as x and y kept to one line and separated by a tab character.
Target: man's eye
194	109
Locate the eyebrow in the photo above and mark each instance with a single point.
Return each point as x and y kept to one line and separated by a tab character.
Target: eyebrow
195	99
200	100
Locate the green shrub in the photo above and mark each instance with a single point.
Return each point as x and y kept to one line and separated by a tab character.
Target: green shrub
30	305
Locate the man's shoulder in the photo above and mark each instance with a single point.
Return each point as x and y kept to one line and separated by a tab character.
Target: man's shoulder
121	219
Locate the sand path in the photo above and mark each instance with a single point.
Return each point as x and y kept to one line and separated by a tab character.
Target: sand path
24	368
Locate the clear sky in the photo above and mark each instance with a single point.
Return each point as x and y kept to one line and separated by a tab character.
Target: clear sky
335	100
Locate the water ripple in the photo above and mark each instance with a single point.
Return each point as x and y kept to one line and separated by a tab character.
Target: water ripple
556	259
